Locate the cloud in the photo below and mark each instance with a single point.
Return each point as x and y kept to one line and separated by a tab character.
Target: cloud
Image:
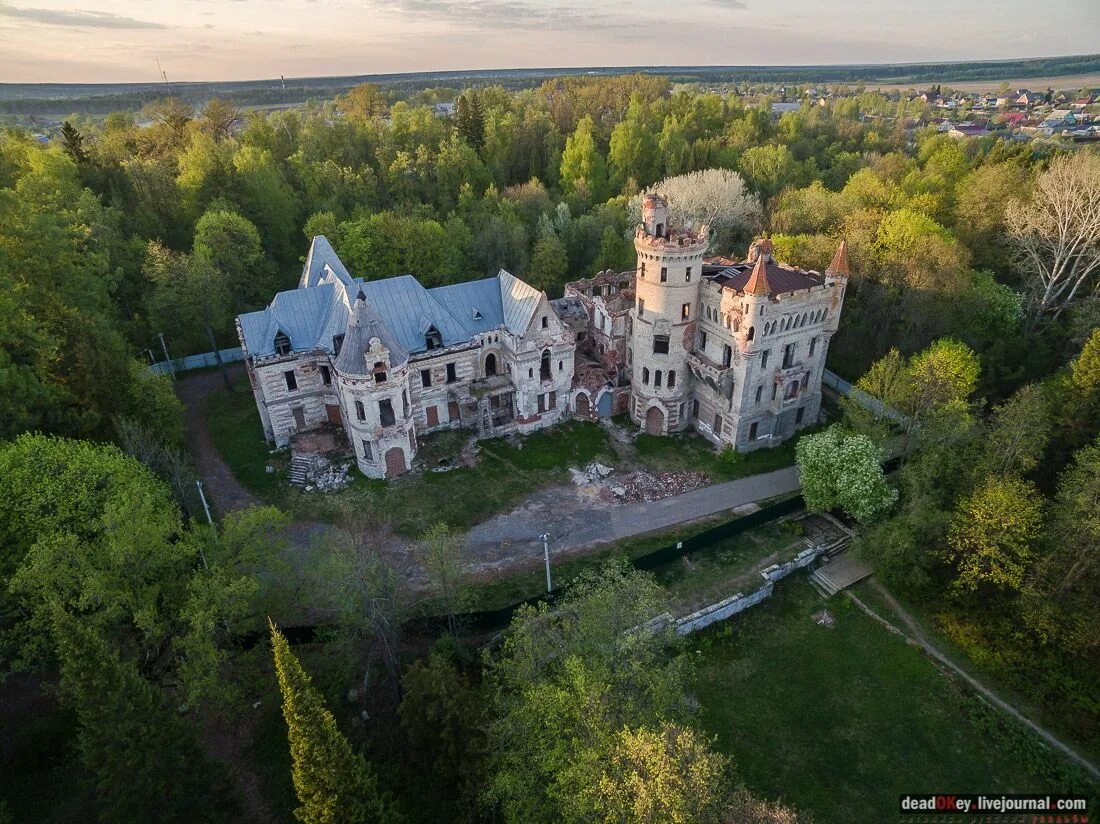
730	4
77	18
518	14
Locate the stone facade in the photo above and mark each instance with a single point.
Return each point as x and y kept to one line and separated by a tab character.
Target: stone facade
734	350
386	362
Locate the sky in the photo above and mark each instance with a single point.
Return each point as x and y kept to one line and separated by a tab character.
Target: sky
94	41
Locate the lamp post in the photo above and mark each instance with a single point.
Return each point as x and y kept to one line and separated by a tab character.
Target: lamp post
545	537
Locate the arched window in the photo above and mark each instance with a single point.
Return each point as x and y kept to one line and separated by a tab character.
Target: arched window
792	390
645	375
803	322
379	372
824	314
657	378
282	343
671	378
544	368
490	365
751	334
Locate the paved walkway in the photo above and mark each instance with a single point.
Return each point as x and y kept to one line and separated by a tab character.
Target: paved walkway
918	637
596	522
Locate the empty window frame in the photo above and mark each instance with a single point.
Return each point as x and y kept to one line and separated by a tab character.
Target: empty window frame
291	380
660	344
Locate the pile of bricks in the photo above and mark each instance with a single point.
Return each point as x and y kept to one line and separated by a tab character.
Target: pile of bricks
654	486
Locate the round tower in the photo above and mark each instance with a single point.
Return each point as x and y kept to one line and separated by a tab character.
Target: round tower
373	382
670	268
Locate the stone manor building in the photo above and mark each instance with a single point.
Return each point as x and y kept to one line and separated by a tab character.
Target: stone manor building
734	350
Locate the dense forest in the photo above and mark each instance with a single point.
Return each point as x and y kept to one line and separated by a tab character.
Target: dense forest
973	309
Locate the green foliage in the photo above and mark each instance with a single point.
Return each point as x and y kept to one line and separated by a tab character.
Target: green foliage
582	165
333	783
838	470
566	682
992	533
142	754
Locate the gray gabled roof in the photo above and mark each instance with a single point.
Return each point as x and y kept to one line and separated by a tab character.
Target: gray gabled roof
323	263
365	323
520	300
399	311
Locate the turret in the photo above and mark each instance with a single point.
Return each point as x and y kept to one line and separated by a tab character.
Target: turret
757	293
836	276
670	269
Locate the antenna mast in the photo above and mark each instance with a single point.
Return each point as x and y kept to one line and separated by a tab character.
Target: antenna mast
164	77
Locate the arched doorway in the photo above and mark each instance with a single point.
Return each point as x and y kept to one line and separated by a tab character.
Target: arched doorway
395	461
490	365
584	407
603	405
654	421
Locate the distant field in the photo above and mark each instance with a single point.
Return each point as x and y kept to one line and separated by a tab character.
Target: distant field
1065	82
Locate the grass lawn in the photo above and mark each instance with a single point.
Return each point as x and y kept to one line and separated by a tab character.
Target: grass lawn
839	721
690	451
1074	723
462	497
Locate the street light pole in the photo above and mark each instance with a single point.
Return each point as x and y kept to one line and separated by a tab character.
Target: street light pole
546	553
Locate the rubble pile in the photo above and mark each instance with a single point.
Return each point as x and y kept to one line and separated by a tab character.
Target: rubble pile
591	474
642	487
326	476
637	487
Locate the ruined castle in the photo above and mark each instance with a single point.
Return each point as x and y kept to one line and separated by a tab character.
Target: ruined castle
734	350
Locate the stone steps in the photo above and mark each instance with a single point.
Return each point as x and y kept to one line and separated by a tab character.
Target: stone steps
299	470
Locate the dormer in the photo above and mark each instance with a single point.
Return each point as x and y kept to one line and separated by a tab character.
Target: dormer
433	338
282	343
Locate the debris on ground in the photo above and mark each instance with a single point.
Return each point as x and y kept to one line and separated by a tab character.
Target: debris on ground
591	474
320	474
643	487
824	619
636	487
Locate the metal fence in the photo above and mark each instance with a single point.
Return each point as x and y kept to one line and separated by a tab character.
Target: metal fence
189	362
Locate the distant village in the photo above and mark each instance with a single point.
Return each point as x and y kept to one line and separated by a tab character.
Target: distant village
1021	114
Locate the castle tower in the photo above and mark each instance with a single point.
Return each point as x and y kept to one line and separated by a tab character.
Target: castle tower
373	382
670	268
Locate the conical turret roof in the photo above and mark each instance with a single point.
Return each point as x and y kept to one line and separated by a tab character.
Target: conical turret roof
758	281
839	266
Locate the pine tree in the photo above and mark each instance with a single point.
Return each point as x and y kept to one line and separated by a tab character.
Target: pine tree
72	141
333	782
470	120
139	752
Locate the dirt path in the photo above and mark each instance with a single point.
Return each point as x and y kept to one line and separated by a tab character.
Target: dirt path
223	490
918	637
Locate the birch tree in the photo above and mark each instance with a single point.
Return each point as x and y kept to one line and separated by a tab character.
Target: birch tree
1057	234
717	198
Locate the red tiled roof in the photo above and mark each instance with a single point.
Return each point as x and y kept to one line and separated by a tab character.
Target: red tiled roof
779	278
839	266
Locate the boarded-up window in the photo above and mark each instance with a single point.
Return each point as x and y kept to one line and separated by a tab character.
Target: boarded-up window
432	413
453	413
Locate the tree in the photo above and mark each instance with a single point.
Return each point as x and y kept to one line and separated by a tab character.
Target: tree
992	532
1019	433
141	753
582	165
470	120
72	142
442	715
668	774
333	783
441	557
716	198
769	168
362	102
219	118
841	470
566	681
230	244
549	263
1056	233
